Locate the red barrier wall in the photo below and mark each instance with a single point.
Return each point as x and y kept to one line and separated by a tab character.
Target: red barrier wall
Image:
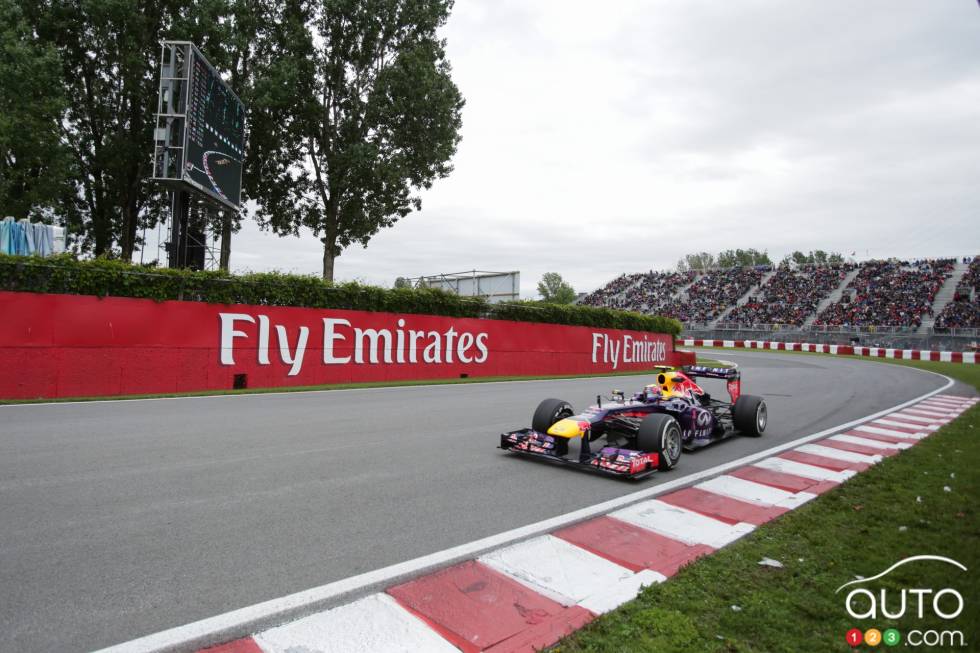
73	346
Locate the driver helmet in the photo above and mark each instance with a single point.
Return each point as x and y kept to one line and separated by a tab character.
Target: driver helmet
676	384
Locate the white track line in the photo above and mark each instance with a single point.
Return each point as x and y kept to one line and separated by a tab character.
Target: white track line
866	428
932	413
952	403
244	621
948	409
868	442
557	569
755	493
907	425
908	417
786	466
949	399
681	524
839	454
374	623
919	409
623	591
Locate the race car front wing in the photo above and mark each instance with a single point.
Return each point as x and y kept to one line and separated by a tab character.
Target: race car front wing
625	463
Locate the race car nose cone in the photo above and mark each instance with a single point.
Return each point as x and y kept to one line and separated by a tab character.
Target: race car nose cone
565	428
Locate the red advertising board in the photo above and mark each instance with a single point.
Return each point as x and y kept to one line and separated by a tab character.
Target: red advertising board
73	346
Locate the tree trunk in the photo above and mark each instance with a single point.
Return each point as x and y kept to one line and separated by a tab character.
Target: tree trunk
328	257
225	240
101	224
130	220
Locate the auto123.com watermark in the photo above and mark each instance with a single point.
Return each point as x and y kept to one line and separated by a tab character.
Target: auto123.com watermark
934	609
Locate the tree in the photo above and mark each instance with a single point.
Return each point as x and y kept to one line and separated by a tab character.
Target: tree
800	258
727	258
699	262
555	290
755	257
35	166
107	53
249	41
355	114
402	282
741	258
817	257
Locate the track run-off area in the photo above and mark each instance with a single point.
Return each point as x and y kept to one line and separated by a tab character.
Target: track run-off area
124	518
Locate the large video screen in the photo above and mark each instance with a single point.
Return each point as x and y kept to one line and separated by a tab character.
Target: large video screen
215	134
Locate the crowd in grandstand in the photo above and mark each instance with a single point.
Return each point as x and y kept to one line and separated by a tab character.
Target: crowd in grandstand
790	296
893	293
647	292
883	293
714	293
961	314
658	288
964	311
971	280
606	296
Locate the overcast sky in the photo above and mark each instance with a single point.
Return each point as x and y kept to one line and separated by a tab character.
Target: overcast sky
600	140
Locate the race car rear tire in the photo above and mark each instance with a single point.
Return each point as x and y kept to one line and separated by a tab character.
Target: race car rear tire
750	415
661	434
550	411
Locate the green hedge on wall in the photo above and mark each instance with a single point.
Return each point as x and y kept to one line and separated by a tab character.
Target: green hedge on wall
64	274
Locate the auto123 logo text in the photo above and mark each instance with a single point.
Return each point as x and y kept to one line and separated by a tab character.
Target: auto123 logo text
933	610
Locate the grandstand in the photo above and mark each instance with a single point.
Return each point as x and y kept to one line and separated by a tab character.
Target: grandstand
790	296
889	293
963	311
651	292
902	299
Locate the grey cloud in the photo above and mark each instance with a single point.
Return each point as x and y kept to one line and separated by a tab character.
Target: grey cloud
600	142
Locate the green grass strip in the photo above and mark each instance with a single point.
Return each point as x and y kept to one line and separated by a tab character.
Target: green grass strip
898	508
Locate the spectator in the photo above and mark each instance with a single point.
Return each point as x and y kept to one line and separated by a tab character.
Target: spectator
790	296
884	293
890	293
712	294
607	295
964	311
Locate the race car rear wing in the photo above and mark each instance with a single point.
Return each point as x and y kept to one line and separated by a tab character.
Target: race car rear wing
727	373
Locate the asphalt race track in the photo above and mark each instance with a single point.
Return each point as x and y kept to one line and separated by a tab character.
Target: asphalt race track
120	519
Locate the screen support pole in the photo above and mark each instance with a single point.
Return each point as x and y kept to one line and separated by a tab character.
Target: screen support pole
180	201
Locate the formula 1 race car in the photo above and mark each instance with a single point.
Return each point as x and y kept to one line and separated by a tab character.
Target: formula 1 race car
646	432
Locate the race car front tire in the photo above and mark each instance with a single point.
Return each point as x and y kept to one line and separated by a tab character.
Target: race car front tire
550	411
661	434
750	415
